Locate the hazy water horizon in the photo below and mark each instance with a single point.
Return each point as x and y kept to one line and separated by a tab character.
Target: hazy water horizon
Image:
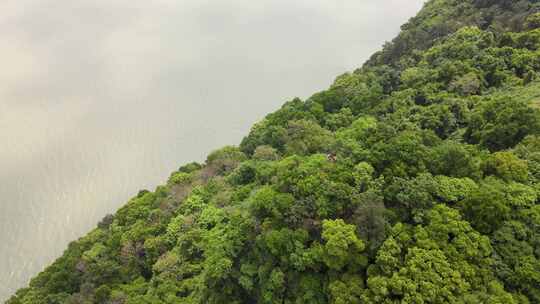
103	98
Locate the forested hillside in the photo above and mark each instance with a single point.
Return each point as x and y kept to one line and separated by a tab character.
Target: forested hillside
414	179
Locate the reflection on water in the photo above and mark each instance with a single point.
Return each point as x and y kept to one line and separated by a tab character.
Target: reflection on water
101	98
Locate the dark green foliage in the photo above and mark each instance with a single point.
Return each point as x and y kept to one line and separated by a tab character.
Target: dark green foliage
501	124
414	179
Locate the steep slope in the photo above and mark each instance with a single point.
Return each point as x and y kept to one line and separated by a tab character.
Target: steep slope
442	17
414	179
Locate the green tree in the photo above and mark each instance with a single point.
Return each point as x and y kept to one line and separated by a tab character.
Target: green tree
341	245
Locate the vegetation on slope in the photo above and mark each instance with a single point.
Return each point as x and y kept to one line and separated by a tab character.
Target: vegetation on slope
415	179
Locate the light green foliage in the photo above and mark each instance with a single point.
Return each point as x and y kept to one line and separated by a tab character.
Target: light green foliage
179	178
174	228
402	155
501	124
426	276
339	120
487	206
341	245
225	159
468	84
533	21
317	180
211	216
507	166
452	190
442	262
349	140
94	253
192	204
455	159
346	290
517	262
306	137
363	175
529	150
414	196
265	153
266	202
496	201
520	196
